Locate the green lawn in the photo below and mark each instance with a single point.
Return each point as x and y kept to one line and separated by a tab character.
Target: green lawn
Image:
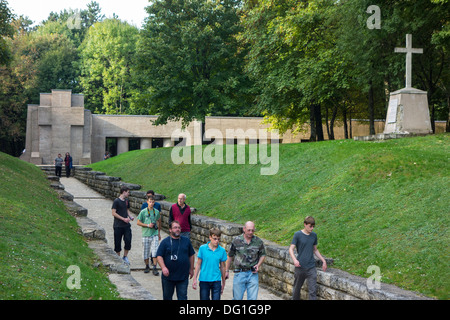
39	241
380	203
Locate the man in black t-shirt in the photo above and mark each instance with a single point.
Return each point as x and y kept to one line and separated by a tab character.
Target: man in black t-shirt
176	257
122	227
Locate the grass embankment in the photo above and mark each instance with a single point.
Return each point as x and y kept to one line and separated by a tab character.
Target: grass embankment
39	241
376	203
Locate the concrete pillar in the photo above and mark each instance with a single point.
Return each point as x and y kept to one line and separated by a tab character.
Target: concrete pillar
167	142
122	145
146	143
408	112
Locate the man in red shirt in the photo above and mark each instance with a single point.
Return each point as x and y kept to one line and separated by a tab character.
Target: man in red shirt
181	212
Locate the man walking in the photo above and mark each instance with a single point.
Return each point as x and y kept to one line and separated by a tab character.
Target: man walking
248	253
122	228
150	220
181	212
211	259
176	258
157	205
305	241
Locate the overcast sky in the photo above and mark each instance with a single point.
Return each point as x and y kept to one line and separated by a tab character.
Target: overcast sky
133	11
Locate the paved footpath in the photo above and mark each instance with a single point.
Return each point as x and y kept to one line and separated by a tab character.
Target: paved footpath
99	210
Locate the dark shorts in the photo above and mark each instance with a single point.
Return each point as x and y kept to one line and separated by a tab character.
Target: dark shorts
119	233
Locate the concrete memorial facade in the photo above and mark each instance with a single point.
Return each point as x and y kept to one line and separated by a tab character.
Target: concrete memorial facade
61	124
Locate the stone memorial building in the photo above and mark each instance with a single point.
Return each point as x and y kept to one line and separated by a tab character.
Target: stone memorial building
61	124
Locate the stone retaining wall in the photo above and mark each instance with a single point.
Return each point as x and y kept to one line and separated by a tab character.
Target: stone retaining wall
277	271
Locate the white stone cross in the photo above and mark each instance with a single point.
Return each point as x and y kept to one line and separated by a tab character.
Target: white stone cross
409	50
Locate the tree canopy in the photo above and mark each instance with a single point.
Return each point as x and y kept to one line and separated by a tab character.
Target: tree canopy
297	62
106	64
192	60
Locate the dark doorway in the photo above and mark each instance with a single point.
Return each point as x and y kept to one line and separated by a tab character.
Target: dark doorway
134	144
111	146
157	142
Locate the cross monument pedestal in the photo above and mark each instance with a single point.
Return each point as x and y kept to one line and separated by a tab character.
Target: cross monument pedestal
408	111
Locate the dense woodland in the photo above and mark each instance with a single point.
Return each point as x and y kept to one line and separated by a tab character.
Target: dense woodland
291	61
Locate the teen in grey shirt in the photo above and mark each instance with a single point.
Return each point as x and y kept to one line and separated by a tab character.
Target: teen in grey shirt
305	241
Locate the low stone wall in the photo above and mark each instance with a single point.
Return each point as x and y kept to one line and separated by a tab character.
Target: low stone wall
277	271
110	187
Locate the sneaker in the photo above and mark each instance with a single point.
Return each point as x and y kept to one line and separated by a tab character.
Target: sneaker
125	259
155	272
147	269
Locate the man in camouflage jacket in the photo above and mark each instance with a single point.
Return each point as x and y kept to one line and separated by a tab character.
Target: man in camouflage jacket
248	253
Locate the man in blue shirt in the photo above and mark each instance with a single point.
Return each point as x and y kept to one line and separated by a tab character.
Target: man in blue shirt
157	206
176	258
211	259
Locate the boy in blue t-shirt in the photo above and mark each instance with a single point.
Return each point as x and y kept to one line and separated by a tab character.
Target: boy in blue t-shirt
211	259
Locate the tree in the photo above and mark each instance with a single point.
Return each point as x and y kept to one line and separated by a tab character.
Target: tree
39	59
55	56
294	62
11	133
92	14
12	112
107	55
441	39
378	70
6	30
310	58
191	61
73	24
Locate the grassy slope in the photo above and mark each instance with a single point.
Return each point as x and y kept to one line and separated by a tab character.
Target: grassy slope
375	203
39	240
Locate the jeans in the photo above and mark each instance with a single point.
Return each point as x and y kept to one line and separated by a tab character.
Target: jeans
300	276
245	280
210	287
168	287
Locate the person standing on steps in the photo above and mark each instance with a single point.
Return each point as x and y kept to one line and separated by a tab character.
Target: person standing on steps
122	227
150	220
58	165
305	241
181	212
68	164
